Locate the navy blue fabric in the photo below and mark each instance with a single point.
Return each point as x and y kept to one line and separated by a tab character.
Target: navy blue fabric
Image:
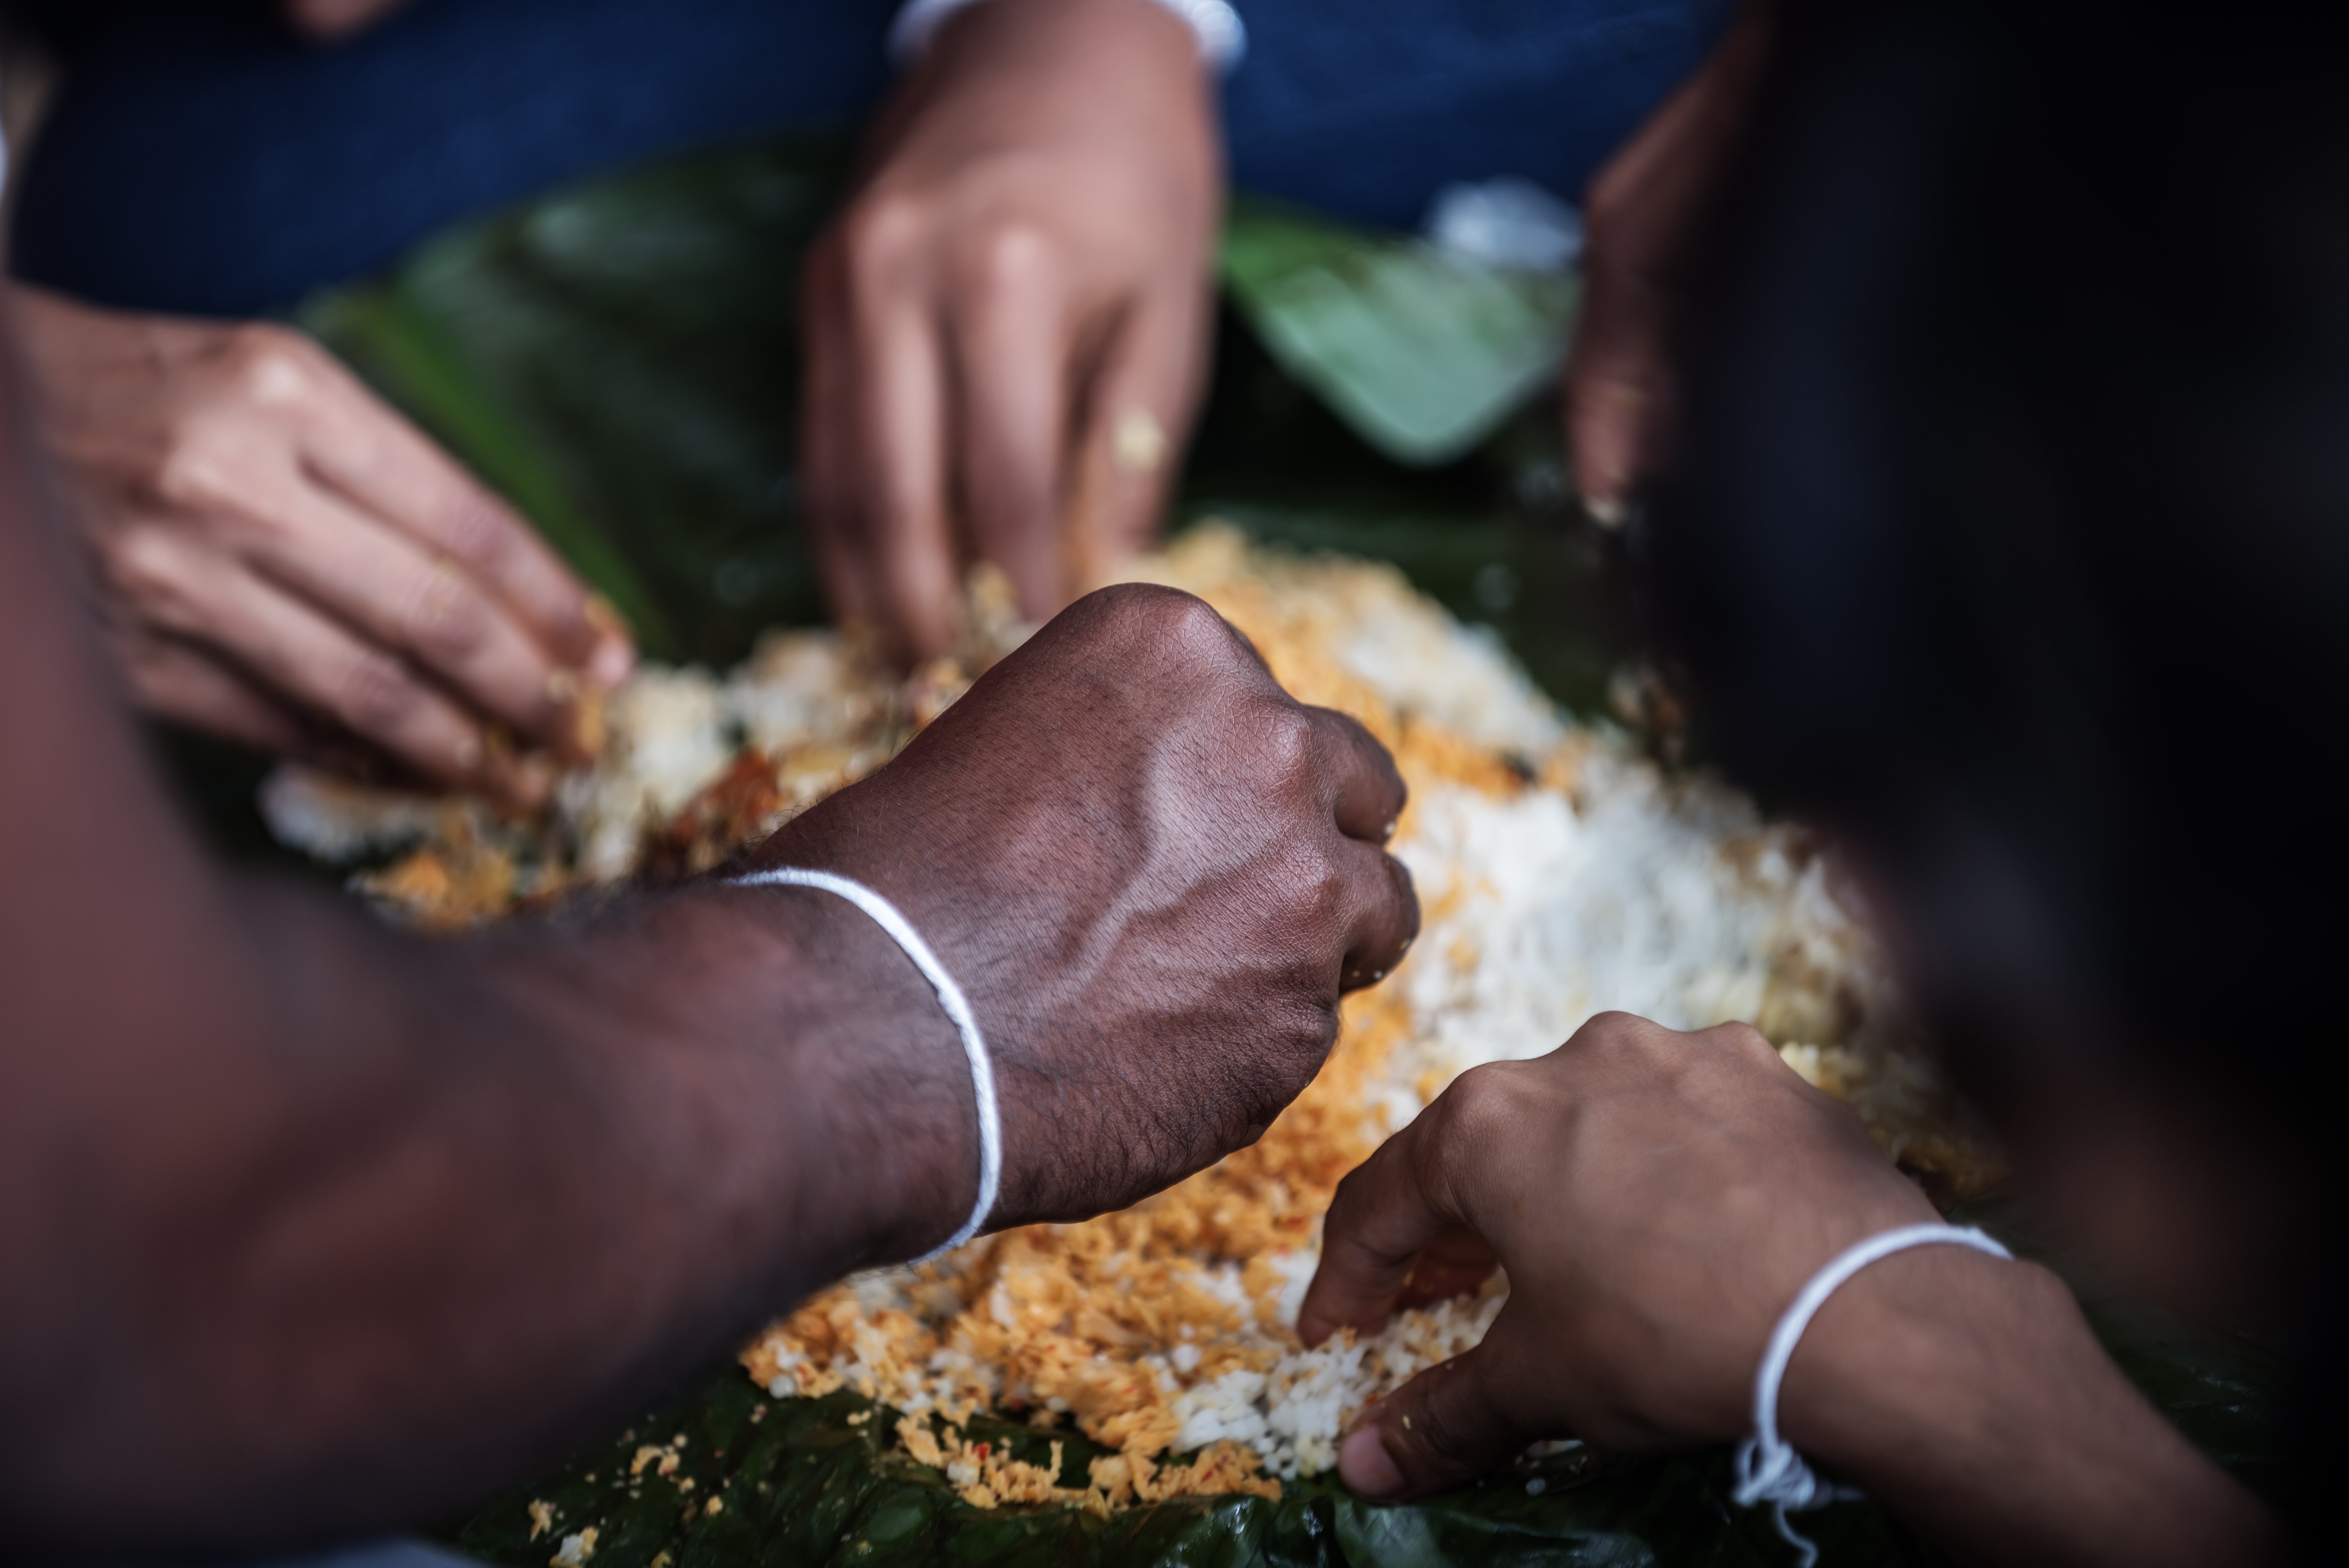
200	159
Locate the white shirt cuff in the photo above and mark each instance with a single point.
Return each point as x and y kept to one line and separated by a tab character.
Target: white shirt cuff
1223	39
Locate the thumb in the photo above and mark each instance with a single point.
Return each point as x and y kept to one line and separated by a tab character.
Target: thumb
1446	1426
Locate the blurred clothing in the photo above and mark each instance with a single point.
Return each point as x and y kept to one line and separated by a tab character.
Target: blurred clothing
2007	536
384	1554
202	159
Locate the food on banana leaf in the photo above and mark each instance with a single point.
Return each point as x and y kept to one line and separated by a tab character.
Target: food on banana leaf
1560	873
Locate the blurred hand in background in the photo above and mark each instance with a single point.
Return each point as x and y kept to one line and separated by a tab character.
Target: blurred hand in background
1008	325
327	20
1645	213
285	560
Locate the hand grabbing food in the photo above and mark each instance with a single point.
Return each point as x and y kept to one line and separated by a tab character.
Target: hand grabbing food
1006	327
1152	870
1658	1199
285	560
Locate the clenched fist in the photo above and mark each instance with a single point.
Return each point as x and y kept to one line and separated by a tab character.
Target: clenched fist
1152	872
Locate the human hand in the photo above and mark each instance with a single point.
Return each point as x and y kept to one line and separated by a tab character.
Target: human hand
1644	214
1006	327
1658	1199
286	562
1153	873
327	20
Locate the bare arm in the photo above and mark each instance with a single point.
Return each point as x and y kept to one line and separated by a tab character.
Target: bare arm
307	1225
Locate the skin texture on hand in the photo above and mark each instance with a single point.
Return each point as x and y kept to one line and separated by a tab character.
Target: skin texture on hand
1152	872
311	1228
1008	325
1645	214
285	560
1658	1199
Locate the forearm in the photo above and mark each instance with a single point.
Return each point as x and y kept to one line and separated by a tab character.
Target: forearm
300	1213
1970	1396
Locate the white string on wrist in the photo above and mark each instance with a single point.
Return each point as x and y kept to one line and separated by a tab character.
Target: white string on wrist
901	931
1223	39
1769	1469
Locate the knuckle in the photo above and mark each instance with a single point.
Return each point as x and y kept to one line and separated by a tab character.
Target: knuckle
143	563
1745	1036
880	234
192	473
1612	1030
480	531
1010	258
1166	632
449	624
1479	1108
271	365
1285	744
375	695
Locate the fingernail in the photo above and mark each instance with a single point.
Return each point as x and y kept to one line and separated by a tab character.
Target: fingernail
604	616
615	653
1363	1465
469	753
588	731
1606	510
609	664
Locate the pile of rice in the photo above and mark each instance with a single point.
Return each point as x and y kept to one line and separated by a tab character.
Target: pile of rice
1560	874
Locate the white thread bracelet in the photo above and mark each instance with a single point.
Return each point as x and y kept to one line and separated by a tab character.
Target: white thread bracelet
901	931
1769	1469
1223	39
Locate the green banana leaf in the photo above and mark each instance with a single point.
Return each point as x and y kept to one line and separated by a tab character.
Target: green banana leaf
819	1481
1425	353
618	360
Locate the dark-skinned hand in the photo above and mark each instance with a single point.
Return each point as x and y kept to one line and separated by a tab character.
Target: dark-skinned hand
1152	870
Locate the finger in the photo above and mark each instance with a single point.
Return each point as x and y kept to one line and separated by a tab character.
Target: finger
290	648
179	681
1456	1263
1381	1219
1137	414
895	451
1615	393
1370	790
1010	414
1749	1041
1449	1425
825	432
355	444
427	608
1386	917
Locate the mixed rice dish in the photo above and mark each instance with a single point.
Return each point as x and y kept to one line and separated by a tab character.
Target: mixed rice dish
1560	873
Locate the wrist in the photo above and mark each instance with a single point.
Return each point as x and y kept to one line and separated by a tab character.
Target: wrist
863	1105
1968	1394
